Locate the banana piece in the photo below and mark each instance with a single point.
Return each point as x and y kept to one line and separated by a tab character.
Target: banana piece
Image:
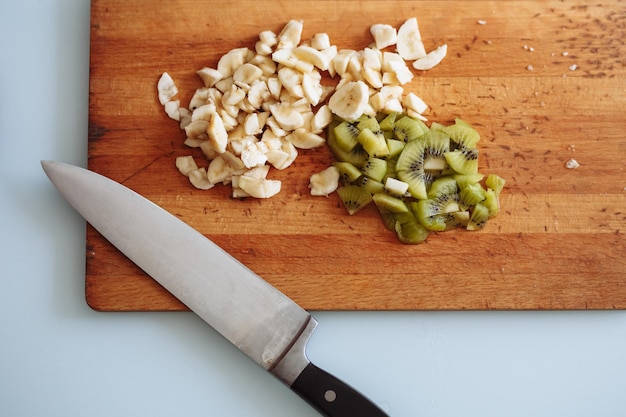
186	164
304	139
218	137
200	180
289	36
247	74
412	102
350	100
259	188
209	76
409	43
321	119
313	56
166	88
233	59
432	59
384	35
286	116
325	182
320	41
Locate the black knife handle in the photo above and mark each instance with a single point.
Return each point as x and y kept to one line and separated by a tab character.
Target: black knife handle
331	396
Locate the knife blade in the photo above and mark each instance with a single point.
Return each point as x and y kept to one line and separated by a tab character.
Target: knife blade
253	315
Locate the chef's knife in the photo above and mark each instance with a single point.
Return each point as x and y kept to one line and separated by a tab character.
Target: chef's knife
257	318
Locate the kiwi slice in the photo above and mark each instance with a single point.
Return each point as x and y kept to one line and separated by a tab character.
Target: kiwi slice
408	129
463	180
356	156
409	230
479	217
432	213
395	147
495	182
346	136
372	186
443	185
354	198
463	161
386	124
491	202
367	122
348	173
374	143
437	143
375	168
389	204
410	168
463	135
472	194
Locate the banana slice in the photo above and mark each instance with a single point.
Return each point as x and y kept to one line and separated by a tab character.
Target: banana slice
350	100
166	88
218	137
384	35
259	188
233	59
325	182
432	59
304	139
409	43
291	34
312	55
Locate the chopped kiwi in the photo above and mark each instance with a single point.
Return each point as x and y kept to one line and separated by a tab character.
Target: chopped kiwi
443	185
395	147
472	194
354	198
479	217
346	136
495	182
464	179
375	168
463	161
409	230
386	124
439	163
389	204
462	135
367	122
407	129
491	202
374	143
348	173
372	186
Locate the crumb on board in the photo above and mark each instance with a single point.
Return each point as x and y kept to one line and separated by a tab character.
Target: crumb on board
572	164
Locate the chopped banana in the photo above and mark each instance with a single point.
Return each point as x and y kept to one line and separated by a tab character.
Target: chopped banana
166	88
325	182
350	100
186	164
432	59
384	35
409	42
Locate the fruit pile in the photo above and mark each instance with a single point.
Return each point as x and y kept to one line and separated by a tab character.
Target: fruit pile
260	106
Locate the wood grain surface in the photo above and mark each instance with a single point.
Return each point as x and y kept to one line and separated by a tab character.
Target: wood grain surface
559	241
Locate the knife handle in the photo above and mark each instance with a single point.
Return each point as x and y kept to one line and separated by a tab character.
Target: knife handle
331	396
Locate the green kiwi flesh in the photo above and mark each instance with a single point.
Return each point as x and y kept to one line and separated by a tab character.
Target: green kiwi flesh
439	163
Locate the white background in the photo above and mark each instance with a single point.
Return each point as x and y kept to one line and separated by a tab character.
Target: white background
59	358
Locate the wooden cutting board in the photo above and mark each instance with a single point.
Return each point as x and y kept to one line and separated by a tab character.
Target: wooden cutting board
542	81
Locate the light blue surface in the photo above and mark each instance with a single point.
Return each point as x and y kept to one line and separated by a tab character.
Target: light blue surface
59	358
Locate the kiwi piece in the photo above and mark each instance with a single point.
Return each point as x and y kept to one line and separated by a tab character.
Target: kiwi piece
446	203
441	186
409	230
462	134
372	186
491	202
387	123
408	129
463	180
346	134
389	204
478	218
356	156
463	161
395	147
437	143
472	194
495	182
374	143
367	122
375	168
354	198
410	168
348	173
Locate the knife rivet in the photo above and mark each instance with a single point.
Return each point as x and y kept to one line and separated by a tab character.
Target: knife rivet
330	396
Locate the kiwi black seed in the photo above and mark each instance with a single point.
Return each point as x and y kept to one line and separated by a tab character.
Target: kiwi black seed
354	198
